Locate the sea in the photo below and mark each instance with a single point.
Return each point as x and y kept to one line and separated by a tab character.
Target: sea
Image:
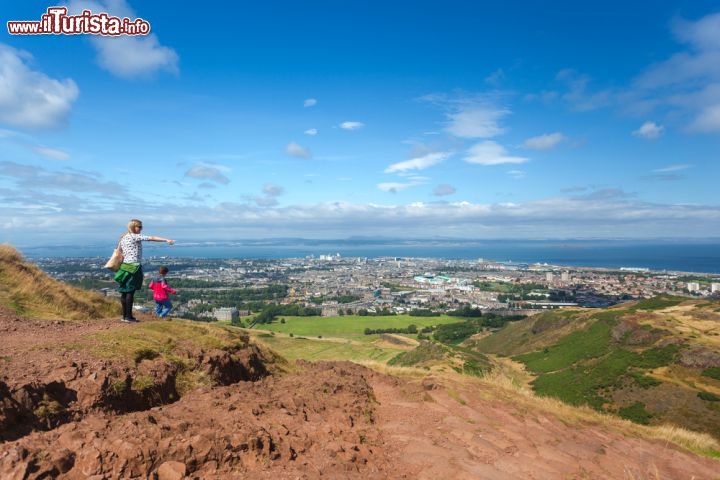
700	257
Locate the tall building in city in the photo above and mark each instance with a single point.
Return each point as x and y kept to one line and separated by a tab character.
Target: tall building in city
714	287
693	287
565	276
549	277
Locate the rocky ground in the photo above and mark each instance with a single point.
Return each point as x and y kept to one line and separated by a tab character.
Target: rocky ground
67	414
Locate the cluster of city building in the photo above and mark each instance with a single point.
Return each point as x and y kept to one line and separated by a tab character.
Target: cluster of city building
340	286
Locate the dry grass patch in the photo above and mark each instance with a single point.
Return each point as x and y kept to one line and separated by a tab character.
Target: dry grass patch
30	292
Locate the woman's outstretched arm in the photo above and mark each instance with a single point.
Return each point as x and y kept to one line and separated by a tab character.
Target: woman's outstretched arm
161	239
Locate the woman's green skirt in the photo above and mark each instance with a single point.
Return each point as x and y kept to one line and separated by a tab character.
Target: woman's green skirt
129	277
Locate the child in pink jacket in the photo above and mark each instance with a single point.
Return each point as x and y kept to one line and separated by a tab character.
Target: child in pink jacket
160	289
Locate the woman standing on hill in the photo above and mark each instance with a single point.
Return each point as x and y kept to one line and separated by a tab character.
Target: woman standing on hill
130	275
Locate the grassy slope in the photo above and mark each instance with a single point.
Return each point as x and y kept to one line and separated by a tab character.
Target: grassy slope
581	362
518	337
28	291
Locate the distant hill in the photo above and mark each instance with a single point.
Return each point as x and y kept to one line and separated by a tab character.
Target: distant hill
654	361
30	292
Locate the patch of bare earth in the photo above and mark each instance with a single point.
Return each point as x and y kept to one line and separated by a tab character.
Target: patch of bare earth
445	429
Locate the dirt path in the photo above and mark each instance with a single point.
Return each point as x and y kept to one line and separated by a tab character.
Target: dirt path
448	430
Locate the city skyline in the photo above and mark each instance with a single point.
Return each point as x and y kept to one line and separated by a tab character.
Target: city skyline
328	120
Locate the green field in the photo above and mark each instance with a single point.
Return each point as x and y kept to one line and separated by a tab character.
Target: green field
350	326
326	349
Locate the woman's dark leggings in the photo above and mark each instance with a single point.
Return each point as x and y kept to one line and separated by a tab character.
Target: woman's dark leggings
126	300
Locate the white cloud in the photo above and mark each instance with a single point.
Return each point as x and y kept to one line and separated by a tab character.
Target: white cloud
295	150
35	218
649	130
309	102
351	125
476	122
265	201
517	174
394	187
700	62
53	153
418	163
272	190
496	77
491	153
545	141
29	98
578	95
673	168
708	120
212	173
311	131
127	56
270	194
470	115
130	57
443	189
31	178
688	82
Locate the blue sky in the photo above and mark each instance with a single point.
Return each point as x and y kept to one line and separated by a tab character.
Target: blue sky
335	119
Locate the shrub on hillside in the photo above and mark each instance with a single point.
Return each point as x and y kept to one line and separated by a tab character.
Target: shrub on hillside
707	396
712	372
636	413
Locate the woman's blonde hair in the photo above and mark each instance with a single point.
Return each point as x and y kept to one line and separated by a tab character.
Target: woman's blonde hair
132	224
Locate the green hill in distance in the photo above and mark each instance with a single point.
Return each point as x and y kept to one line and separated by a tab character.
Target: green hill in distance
654	361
